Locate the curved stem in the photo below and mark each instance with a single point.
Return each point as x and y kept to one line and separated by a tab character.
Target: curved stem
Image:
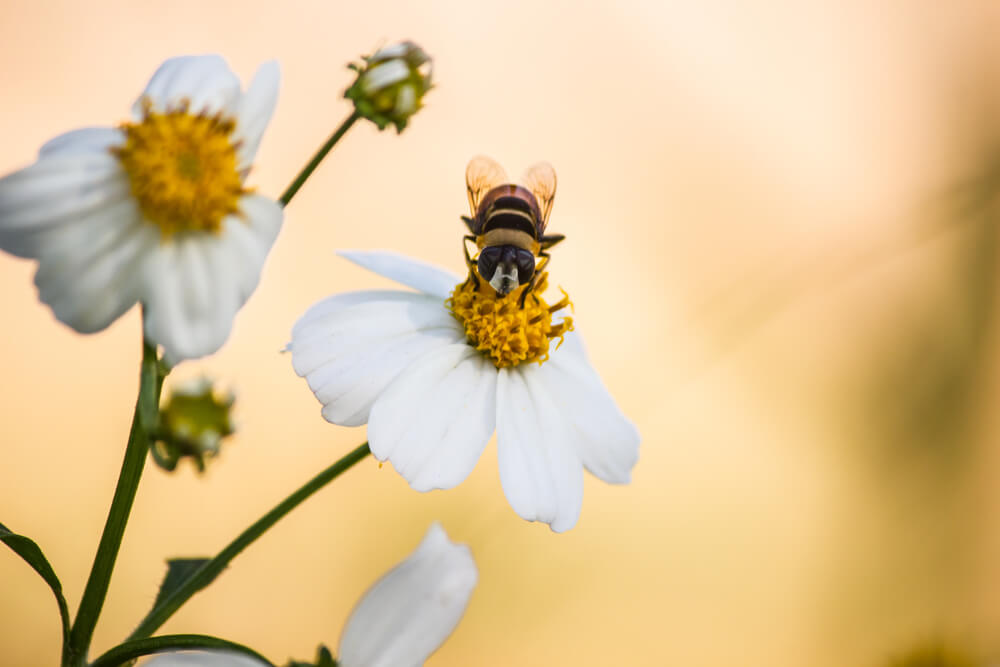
134	649
146	409
211	569
317	158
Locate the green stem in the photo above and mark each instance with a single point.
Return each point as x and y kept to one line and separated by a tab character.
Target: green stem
211	569
146	408
317	158
131	650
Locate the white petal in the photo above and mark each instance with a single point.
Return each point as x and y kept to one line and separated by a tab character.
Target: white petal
435	418
541	474
250	237
411	610
406	100
351	346
414	273
255	109
203	659
195	283
393	51
72	211
83	140
606	441
384	74
92	278
204	83
55	192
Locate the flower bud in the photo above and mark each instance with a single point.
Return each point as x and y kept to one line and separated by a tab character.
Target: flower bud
391	84
192	424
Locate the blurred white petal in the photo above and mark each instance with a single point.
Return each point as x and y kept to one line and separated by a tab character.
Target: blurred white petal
203	659
92	276
384	74
193	286
411	610
83	140
204	83
255	110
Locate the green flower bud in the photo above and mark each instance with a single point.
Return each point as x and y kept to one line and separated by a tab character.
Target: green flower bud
391	84
192	425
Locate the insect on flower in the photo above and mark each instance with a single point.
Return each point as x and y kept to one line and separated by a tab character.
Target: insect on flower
434	372
508	224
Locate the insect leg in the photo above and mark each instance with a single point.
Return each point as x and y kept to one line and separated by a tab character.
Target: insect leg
550	240
543	262
468	260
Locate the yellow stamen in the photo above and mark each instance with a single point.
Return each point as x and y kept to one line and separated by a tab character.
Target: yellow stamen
503	330
183	169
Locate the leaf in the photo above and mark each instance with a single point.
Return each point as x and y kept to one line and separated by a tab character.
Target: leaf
179	570
137	648
33	556
324	658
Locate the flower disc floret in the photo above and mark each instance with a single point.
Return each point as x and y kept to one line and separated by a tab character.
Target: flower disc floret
503	329
182	168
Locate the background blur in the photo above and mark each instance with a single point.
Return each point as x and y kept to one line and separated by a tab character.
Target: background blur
782	248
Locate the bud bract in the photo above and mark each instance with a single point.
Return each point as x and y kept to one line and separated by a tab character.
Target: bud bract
192	424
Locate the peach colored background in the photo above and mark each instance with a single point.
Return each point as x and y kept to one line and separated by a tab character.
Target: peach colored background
742	186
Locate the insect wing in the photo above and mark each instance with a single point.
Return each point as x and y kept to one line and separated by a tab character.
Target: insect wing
540	179
482	175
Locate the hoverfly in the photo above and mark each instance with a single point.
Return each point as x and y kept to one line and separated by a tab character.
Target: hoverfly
508	224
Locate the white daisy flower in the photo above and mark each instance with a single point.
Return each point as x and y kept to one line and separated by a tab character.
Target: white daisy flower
154	211
433	372
399	622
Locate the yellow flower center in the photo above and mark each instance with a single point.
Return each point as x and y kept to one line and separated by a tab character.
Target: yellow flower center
504	330
183	169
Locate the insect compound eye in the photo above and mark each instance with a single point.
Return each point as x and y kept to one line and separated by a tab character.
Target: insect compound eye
525	265
488	260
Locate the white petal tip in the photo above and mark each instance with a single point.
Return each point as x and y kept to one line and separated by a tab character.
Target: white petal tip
421	276
411	610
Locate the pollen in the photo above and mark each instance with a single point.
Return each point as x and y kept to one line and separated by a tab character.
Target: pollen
183	170
503	329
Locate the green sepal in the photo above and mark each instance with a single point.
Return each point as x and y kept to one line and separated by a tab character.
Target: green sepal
33	556
323	659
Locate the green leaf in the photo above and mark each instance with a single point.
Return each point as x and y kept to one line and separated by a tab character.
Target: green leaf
324	658
131	650
179	570
32	554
